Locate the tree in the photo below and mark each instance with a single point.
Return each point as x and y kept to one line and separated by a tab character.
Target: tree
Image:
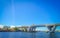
16	28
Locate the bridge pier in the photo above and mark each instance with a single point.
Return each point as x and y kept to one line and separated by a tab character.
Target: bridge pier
31	29
51	28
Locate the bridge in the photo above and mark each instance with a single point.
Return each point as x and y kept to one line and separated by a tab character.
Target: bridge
51	27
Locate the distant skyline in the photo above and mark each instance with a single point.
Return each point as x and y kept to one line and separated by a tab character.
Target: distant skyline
37	28
17	12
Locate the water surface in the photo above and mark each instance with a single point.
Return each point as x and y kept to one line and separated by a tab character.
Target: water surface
29	35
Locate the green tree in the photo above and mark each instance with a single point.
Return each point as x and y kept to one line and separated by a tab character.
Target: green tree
16	28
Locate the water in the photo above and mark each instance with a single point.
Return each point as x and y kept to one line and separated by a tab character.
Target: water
29	35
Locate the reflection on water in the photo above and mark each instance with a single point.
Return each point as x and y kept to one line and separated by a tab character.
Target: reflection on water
33	35
52	35
29	35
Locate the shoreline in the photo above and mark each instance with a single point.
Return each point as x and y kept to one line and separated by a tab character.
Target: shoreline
27	31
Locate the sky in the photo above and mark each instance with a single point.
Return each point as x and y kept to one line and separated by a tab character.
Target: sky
27	12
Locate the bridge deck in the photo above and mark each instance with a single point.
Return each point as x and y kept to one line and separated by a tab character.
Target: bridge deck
45	25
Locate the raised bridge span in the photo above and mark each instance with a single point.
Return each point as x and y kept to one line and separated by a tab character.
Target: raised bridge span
51	27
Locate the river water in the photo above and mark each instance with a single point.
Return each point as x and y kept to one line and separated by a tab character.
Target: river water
29	35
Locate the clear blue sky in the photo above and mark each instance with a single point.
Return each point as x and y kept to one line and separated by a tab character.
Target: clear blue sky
17	12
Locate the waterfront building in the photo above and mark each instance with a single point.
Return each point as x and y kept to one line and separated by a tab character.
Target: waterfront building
12	28
5	28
